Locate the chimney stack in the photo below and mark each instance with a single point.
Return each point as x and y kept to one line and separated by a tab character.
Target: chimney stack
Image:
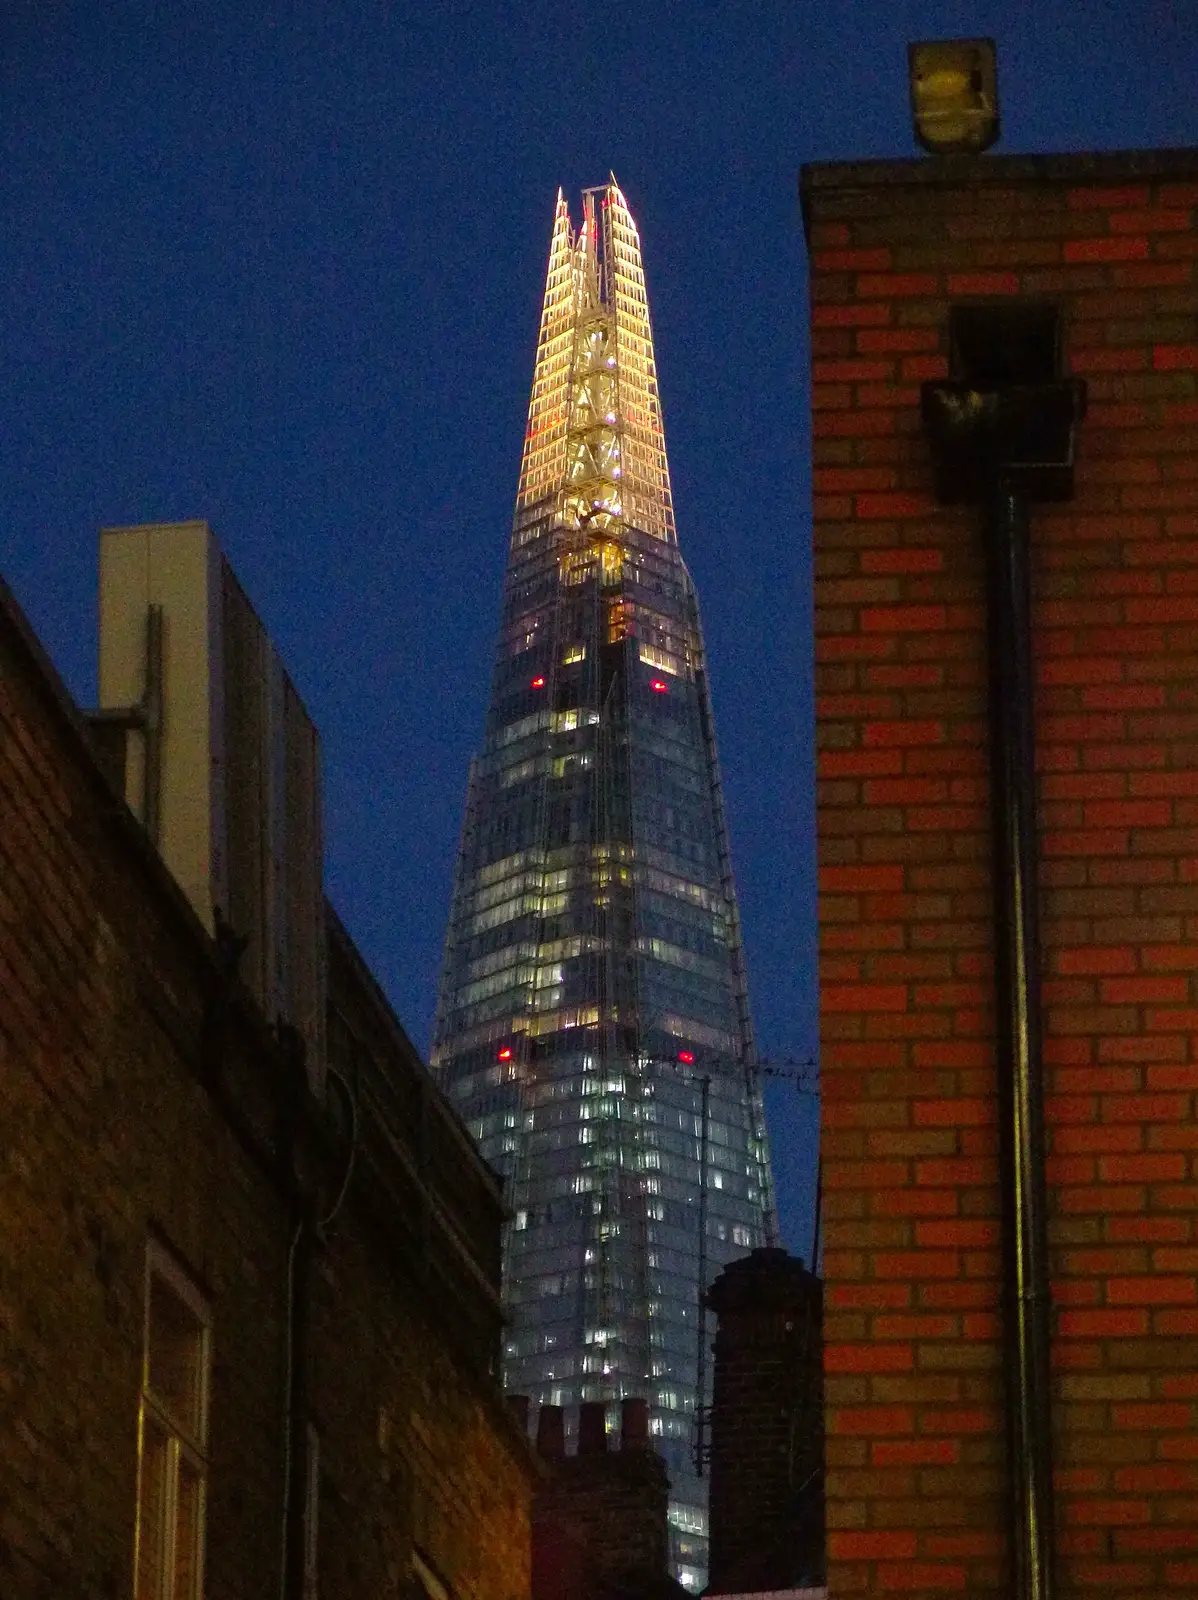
592	1428
600	1517
551	1433
767	1482
634	1424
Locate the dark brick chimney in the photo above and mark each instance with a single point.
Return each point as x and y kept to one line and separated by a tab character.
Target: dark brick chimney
767	1501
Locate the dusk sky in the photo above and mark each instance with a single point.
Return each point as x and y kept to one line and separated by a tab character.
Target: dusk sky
280	267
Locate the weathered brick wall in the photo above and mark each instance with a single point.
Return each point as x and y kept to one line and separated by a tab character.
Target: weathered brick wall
916	1495
420	1448
115	1124
104	1136
413	1455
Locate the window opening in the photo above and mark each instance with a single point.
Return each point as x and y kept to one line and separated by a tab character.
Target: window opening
172	1470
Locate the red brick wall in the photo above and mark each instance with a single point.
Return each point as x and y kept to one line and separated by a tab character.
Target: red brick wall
916	1488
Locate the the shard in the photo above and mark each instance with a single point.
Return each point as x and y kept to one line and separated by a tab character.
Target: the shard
593	1025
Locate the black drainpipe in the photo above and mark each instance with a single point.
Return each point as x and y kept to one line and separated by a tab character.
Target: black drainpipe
1002	436
1017	987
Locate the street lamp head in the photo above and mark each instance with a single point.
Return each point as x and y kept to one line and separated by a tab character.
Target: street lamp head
954	94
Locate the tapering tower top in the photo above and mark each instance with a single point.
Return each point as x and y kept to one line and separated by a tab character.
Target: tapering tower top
594	444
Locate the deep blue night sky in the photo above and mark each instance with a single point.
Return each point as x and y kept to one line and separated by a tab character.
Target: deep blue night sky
280	266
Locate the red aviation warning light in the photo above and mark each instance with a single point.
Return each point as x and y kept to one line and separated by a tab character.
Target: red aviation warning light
538	683
505	1054
687	1057
658	686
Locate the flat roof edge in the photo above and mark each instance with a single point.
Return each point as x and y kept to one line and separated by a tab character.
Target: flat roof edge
1097	167
934	171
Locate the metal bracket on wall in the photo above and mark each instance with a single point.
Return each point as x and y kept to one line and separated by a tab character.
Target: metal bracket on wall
145	718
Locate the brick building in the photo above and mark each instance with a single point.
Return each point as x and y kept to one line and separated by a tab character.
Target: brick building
916	1399
249	1319
600	1527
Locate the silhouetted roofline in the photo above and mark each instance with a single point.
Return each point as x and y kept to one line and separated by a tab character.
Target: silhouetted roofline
1109	167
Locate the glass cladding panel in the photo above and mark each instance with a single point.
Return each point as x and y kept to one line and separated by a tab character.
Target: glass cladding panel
593	976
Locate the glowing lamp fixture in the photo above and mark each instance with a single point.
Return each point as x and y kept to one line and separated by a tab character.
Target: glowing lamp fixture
658	686
954	94
687	1057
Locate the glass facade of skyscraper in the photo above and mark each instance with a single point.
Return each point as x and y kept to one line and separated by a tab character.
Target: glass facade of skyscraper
593	1026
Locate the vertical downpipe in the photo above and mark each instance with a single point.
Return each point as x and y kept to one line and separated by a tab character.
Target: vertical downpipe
1020	1075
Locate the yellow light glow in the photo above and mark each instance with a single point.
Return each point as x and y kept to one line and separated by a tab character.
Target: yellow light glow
594	438
954	94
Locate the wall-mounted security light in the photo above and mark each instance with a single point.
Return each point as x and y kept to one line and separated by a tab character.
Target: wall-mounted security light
954	94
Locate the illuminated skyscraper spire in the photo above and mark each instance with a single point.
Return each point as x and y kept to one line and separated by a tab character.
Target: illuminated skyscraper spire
594	422
593	1024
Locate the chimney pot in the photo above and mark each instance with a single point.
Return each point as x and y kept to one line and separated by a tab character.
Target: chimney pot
634	1424
592	1428
551	1433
